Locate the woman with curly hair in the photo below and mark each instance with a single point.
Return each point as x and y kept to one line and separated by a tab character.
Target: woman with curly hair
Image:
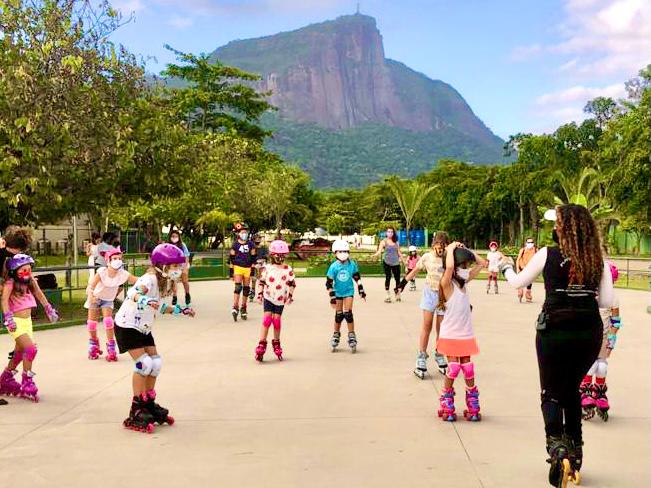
568	330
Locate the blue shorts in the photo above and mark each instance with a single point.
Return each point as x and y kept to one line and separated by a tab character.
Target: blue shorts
99	303
430	301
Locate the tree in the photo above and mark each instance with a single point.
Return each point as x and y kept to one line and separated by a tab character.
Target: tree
410	196
603	109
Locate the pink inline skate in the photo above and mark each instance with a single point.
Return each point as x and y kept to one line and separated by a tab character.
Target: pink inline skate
472	405
278	351
94	351
28	389
446	412
588	403
601	400
8	384
111	354
260	350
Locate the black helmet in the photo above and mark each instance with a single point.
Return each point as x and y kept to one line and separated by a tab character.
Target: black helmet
461	256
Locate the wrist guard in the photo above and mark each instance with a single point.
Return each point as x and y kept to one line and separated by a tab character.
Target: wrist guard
612	340
616	322
360	290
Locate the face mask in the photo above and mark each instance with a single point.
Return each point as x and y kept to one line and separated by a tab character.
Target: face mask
555	236
278	259
116	263
24	276
175	274
529	245
464	274
174	240
493	249
244	236
342	256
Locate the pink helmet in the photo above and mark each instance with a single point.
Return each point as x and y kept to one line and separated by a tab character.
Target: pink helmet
107	255
278	247
165	254
613	270
492	243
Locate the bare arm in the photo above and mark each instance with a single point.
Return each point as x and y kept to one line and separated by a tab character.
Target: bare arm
40	296
6	293
446	279
92	284
481	263
380	248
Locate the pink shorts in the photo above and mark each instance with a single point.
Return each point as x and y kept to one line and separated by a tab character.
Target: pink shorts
457	347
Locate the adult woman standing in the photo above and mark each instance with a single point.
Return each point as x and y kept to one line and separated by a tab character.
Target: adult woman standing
391	262
175	239
524	256
569	330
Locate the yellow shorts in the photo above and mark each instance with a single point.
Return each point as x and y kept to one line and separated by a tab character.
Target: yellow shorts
23	326
240	271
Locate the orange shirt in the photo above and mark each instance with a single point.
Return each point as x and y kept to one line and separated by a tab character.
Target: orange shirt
525	256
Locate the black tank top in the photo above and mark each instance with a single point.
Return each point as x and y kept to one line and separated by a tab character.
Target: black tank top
559	293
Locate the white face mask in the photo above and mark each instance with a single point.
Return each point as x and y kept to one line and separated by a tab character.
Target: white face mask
174	240
342	255
464	274
116	263
244	236
529	245
493	249
175	274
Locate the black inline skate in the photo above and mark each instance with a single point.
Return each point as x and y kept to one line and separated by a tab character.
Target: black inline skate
139	418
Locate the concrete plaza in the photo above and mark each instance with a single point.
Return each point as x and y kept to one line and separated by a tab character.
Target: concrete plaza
318	419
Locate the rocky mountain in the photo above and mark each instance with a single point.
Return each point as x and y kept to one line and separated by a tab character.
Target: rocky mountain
331	81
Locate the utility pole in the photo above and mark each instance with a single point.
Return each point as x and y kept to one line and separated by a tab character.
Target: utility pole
357	13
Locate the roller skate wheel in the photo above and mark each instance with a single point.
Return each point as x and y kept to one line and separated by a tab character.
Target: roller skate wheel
419	373
575	478
603	414
353	349
565	475
170	420
280	357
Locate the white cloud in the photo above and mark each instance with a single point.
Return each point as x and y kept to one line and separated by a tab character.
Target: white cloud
224	7
179	22
128	6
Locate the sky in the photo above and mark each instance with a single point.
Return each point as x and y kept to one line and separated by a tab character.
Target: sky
522	65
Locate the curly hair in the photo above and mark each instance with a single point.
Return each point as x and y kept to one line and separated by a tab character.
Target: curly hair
580	241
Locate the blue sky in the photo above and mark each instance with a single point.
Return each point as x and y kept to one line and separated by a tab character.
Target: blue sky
522	65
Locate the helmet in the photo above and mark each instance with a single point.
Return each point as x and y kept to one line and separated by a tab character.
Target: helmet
413	249
19	260
493	243
240	226
107	255
340	245
613	270
461	256
165	254
278	247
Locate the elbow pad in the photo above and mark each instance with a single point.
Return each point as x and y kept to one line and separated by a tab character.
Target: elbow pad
357	276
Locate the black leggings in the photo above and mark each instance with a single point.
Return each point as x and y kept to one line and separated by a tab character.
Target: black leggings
566	350
388	270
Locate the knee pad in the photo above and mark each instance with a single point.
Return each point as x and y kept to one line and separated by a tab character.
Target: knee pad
238	288
30	352
453	370
91	325
339	317
276	322
267	321
16	357
468	370
156	365
108	323
348	316
246	289
602	368
143	365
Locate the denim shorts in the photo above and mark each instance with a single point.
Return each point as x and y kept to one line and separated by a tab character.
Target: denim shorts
430	301
99	303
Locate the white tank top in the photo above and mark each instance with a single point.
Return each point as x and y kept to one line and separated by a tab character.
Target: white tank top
457	321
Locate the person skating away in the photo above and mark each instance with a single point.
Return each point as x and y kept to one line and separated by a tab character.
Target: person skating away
493	257
569	329
175	239
276	289
457	338
241	258
593	387
410	265
432	263
389	249
133	326
92	253
102	291
260	261
524	256
19	295
342	275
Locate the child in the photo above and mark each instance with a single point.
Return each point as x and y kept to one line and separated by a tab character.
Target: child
19	294
340	286
277	287
261	260
457	338
432	263
102	290
175	238
412	259
593	395
133	324
494	257
241	259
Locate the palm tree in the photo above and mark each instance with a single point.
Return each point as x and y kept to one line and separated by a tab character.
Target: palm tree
588	189
410	195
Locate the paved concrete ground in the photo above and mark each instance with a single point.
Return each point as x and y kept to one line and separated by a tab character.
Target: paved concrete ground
318	418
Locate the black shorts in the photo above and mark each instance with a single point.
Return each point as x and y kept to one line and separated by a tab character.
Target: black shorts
129	339
272	307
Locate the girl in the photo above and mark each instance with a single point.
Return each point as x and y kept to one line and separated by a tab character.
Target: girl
92	253
175	238
102	290
524	256
593	395
457	338
569	328
494	257
412	259
133	324
19	294
391	262
277	287
341	276
241	259
432	263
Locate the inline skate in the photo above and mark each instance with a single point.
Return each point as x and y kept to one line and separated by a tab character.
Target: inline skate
260	350
471	412
139	418
334	342
94	351
421	365
8	384
28	389
352	342
278	351
111	353
441	362
161	415
601	400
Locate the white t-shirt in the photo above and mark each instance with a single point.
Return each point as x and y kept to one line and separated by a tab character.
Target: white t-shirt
494	261
130	316
108	287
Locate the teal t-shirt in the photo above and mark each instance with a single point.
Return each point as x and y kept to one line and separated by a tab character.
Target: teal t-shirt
342	275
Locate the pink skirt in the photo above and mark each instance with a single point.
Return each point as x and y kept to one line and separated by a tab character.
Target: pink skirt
457	347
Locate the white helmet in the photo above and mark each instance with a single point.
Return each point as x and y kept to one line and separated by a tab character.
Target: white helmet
413	249
340	245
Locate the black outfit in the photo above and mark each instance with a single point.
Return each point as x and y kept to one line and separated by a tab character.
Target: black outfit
566	347
272	307
128	339
388	271
4	256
